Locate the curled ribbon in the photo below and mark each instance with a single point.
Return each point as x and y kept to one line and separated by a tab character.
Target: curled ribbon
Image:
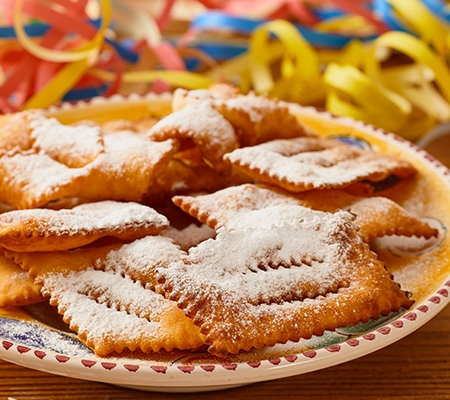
381	61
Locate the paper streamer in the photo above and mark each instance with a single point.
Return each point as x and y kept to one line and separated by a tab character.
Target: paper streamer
381	61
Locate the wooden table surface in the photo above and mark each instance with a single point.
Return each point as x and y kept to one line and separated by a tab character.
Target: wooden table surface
416	367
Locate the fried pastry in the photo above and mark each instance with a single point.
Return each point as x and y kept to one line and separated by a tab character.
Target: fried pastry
74	146
16	287
375	216
103	295
34	180
199	122
307	163
257	119
124	171
257	234
179	178
128	167
182	97
296	274
51	230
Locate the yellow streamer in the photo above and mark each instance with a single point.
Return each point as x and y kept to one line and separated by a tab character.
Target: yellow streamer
300	70
407	98
88	50
421	20
367	101
185	79
80	60
63	81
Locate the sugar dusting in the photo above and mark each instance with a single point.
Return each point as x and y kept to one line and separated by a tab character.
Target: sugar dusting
313	162
207	123
74	146
189	236
90	217
274	252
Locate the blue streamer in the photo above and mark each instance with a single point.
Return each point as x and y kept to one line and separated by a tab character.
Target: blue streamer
37	30
384	10
85	93
439	8
32	30
215	20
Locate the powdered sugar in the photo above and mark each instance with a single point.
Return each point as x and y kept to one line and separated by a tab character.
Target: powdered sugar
74	146
106	315
280	252
197	120
90	217
256	107
142	257
190	236
326	164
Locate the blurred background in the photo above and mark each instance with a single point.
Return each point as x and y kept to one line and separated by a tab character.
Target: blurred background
385	62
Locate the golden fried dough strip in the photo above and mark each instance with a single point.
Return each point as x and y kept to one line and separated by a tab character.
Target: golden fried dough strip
218	208
128	167
375	216
108	309
258	119
74	146
16	287
182	97
380	216
124	171
51	230
33	180
180	178
227	285
307	163
206	127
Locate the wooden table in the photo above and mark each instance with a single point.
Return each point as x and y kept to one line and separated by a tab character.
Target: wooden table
416	367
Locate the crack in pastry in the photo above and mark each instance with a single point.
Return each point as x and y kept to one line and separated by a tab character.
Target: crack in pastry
307	163
375	216
235	315
51	230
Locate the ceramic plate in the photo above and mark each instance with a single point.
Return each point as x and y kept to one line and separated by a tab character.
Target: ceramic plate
36	338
